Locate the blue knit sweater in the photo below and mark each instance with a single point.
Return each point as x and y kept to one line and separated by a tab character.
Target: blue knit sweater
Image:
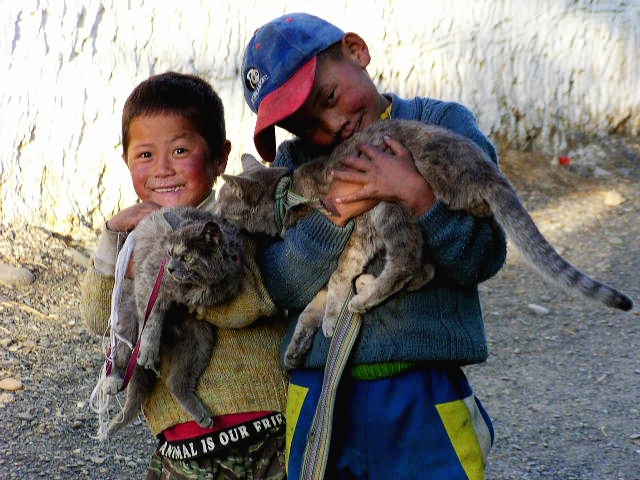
442	322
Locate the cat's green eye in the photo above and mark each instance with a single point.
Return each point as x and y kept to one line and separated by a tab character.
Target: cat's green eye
187	258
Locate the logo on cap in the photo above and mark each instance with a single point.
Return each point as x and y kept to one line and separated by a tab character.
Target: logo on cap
254	82
252	79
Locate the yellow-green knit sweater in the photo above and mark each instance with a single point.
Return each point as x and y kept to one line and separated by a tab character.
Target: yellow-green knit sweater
244	374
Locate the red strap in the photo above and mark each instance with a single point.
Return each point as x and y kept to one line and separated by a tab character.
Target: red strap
184	431
133	359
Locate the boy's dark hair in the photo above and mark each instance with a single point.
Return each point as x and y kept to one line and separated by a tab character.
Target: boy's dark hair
183	94
333	52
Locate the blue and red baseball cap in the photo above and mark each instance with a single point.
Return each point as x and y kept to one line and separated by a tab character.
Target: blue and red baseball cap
278	70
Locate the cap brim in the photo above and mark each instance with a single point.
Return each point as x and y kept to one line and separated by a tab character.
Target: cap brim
280	104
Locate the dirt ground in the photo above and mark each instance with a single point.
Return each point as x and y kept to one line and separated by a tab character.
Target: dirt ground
562	382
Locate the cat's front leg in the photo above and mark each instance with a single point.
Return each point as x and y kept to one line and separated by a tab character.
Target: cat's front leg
193	341
139	388
126	333
120	359
351	264
308	323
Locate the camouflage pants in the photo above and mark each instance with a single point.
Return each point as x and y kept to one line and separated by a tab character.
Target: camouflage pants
263	460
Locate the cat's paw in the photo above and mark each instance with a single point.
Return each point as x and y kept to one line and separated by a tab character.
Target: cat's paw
300	344
293	358
363	280
366	297
205	422
328	327
199	312
148	359
361	303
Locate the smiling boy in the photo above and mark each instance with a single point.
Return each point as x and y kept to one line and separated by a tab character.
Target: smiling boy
174	144
404	409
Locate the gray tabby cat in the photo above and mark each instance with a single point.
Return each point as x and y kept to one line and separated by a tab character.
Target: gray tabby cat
204	266
460	174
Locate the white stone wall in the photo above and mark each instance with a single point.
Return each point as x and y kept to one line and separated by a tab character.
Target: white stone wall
539	74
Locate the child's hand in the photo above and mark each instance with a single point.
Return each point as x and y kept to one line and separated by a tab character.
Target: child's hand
388	174
342	212
127	219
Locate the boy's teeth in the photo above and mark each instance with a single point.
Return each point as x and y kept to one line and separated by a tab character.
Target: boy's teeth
165	190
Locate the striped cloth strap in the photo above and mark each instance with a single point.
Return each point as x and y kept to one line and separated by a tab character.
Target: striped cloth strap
286	199
316	453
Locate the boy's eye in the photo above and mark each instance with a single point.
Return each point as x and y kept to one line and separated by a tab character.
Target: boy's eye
331	97
180	151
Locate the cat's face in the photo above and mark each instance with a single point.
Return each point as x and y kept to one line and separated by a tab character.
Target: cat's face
198	254
247	200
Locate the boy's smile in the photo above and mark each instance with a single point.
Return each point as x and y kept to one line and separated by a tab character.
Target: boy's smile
170	162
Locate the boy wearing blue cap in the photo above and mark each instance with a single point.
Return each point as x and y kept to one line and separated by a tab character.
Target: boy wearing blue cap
404	407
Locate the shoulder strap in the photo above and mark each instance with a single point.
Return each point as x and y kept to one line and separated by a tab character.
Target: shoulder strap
316	453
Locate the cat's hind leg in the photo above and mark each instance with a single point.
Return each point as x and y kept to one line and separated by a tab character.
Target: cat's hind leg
420	279
124	336
138	389
308	324
403	260
423	276
191	344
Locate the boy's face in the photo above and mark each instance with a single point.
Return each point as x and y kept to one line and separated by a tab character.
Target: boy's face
170	162
343	100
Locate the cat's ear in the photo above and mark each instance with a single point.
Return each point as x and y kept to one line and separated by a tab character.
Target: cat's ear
211	232
249	162
239	185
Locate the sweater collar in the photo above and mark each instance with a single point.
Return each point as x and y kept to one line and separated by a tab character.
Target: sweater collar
405	109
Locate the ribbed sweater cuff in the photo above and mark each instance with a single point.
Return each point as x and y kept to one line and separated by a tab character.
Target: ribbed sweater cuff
104	258
320	231
436	220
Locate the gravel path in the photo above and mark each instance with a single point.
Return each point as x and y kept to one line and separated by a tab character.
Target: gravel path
561	384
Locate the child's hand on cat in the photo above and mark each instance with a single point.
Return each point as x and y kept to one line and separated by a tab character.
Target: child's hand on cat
127	219
342	212
384	174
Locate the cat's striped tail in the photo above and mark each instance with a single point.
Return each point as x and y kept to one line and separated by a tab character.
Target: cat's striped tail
538	252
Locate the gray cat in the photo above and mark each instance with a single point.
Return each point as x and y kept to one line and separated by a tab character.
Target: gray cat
204	266
460	174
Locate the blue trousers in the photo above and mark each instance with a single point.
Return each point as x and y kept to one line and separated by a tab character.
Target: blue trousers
421	424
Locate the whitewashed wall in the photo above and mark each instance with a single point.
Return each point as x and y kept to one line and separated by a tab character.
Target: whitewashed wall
539	74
